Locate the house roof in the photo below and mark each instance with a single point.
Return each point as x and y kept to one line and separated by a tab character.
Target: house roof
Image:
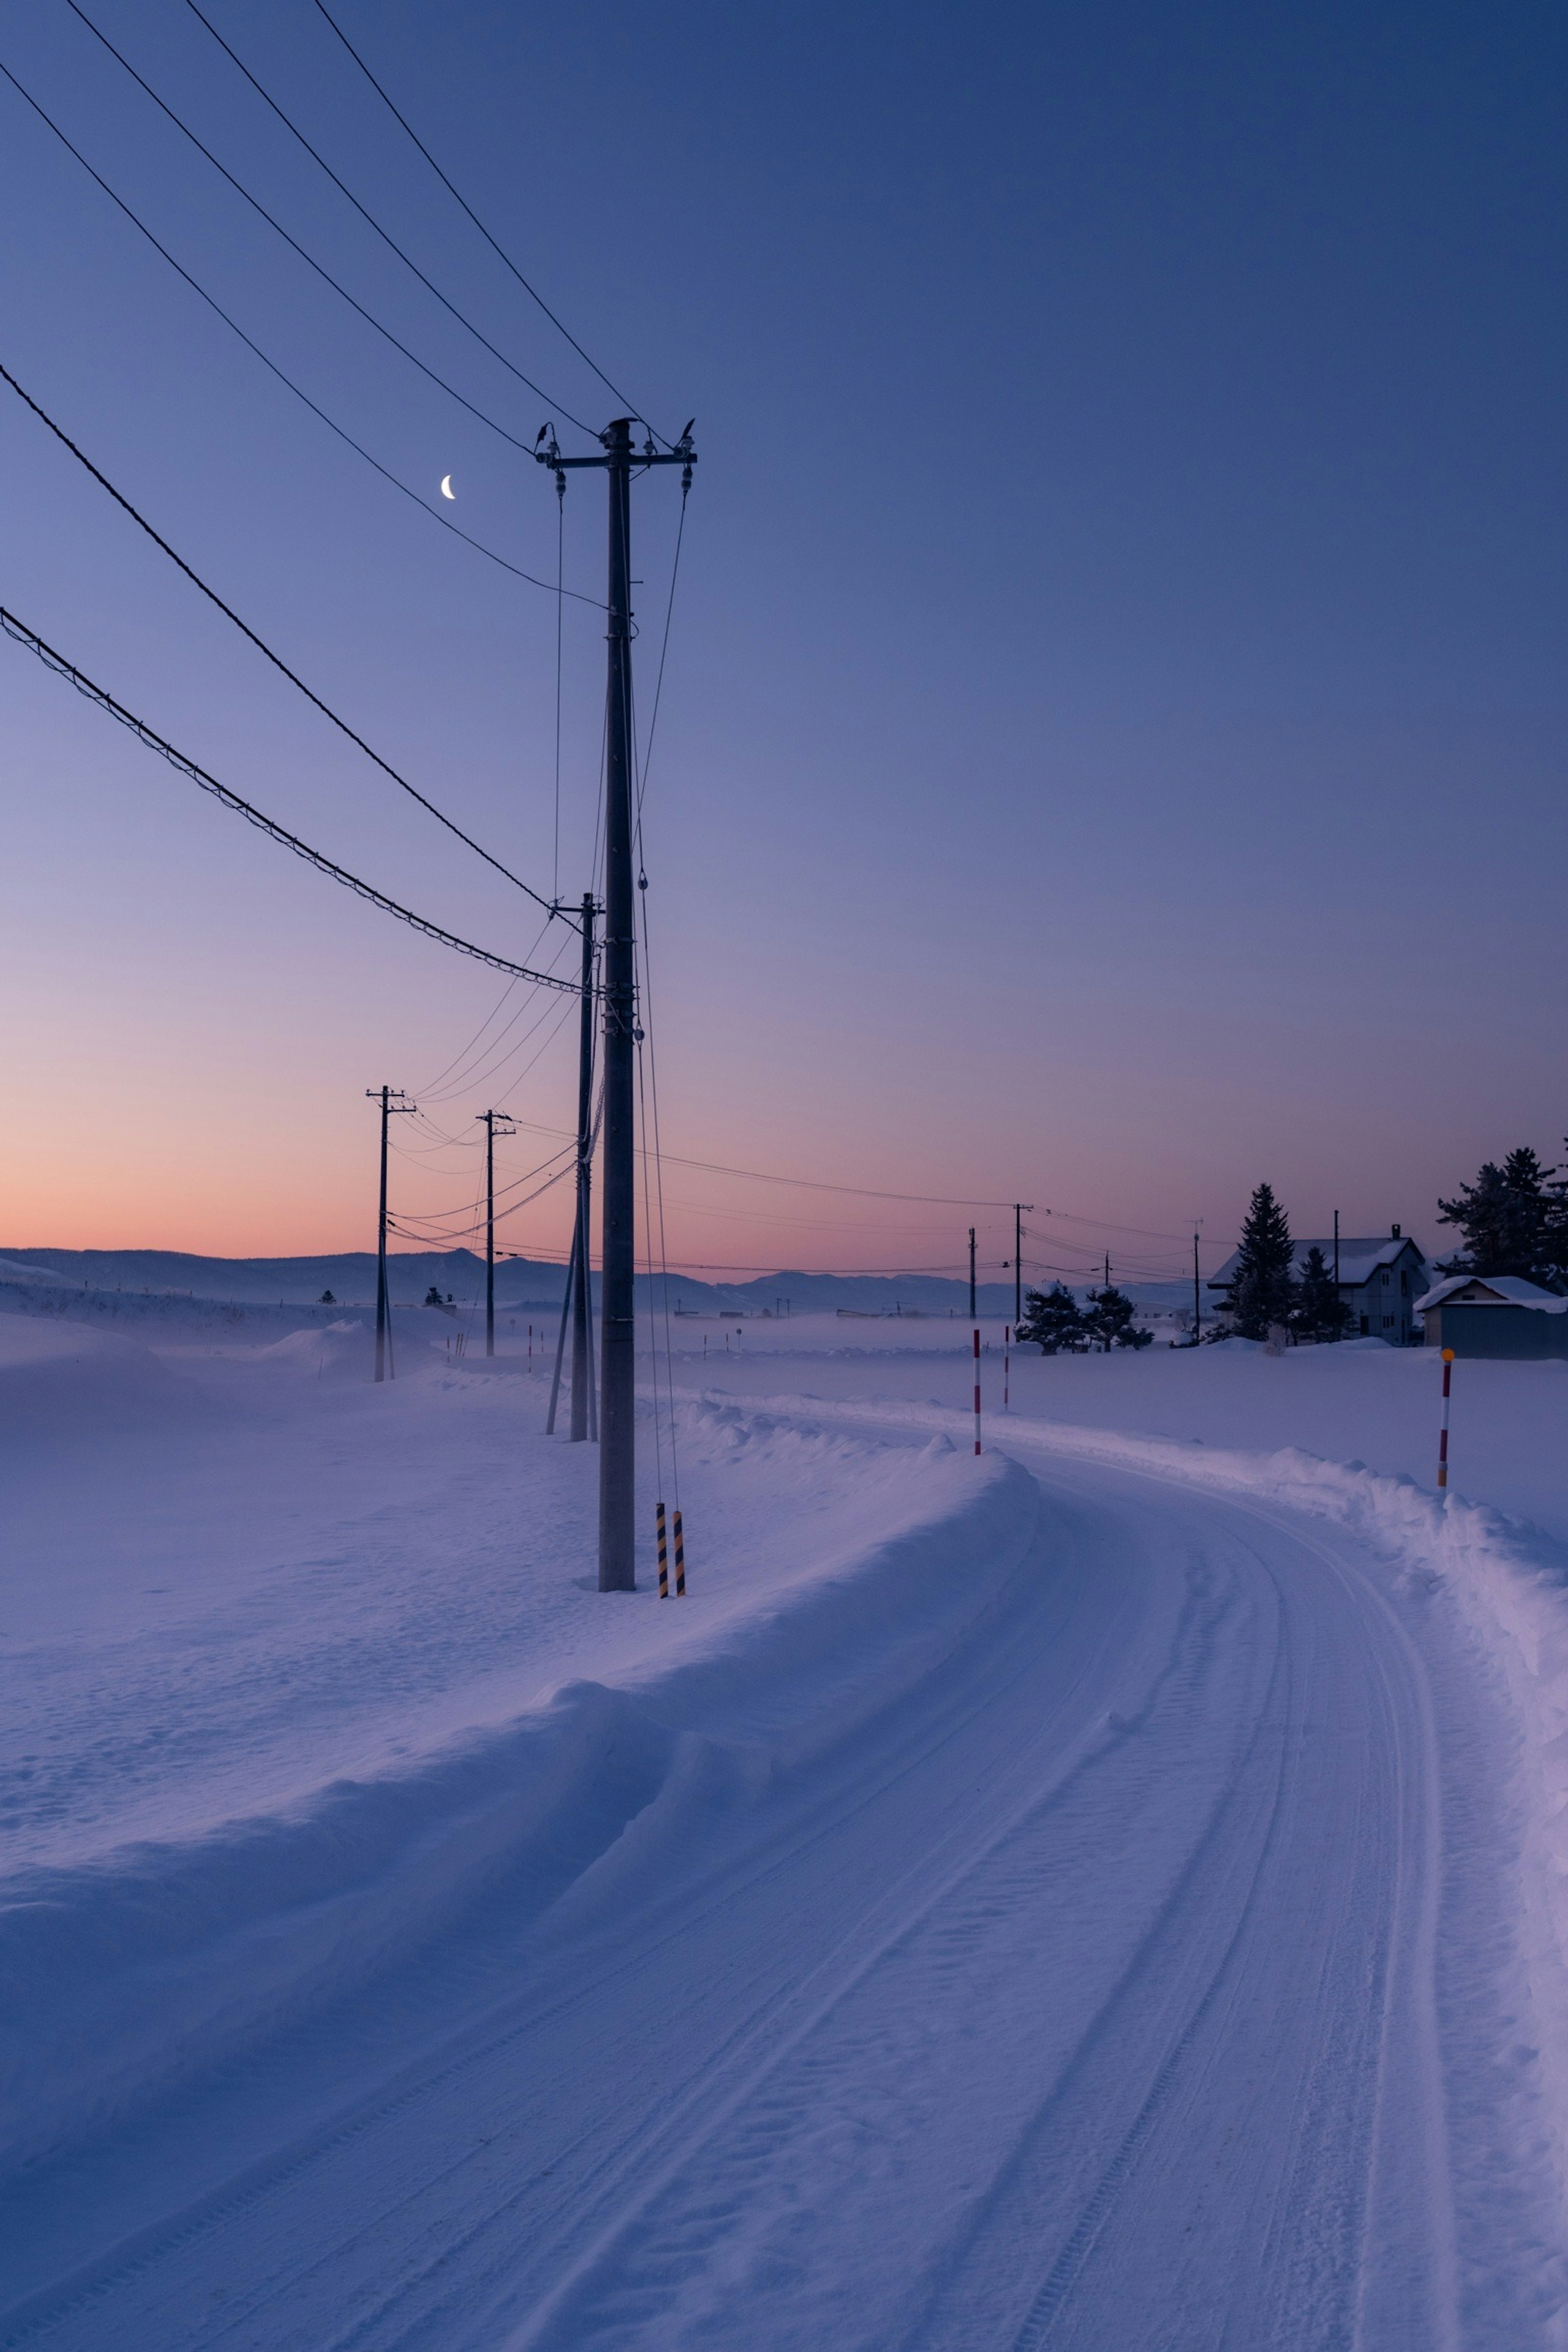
1493	1290
1359	1260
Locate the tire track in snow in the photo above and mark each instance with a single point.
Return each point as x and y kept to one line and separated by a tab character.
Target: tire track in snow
426	2220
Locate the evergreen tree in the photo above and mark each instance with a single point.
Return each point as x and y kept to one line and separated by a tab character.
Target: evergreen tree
1053	1318
1321	1312
1109	1320
1263	1288
1510	1218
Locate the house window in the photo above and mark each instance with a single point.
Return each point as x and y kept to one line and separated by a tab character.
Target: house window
1386	1277
1403	1282
1388	1322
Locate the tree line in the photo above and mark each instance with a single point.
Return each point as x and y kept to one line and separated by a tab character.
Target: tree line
1108	1319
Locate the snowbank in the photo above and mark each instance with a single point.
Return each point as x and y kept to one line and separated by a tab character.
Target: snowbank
1509	1582
63	1383
135	1975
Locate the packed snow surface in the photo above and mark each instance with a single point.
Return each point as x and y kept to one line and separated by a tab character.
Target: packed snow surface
1108	1892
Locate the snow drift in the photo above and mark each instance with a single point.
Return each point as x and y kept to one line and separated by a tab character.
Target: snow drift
134	1976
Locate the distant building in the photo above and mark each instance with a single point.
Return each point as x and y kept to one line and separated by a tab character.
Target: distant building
1495	1315
1380	1282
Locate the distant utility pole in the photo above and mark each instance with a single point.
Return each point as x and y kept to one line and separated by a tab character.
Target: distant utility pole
489	1118
582	1400
1108	1270
617	1361
1337	1332
972	1274
1198	1295
1017	1264
394	1104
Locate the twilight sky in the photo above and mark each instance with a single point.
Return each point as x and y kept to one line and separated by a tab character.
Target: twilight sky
1113	736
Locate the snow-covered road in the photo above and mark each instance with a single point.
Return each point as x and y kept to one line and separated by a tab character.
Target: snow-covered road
1087	1920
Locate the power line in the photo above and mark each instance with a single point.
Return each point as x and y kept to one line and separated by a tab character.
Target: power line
272	367
186	767
263	647
369	218
309	260
529	289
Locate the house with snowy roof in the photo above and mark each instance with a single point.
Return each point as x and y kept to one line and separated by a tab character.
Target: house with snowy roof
1494	1315
1380	1282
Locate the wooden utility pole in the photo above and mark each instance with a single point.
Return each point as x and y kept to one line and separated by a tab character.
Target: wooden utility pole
394	1104
489	1118
617	1361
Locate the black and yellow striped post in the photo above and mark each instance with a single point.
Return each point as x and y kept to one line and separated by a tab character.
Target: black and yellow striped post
663	1558
679	1559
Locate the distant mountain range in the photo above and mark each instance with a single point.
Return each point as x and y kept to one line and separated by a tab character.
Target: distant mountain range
522	1284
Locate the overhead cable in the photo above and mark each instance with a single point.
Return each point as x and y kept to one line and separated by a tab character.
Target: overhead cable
369	218
263	647
550	586
308	258
499	250
199	775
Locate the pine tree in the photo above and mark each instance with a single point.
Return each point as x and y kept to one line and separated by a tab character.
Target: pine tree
1321	1312
1053	1318
1263	1288
1110	1320
1510	1218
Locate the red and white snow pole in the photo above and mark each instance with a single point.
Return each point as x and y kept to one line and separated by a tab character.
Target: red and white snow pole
977	1388
1443	1440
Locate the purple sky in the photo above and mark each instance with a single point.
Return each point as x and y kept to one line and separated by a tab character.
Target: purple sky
1112	743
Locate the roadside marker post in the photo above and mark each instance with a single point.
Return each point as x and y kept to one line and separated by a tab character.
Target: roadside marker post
1006	1367
977	1388
663	1556
1443	1440
679	1560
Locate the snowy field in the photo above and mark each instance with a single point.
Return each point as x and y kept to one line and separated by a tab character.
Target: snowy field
1111	1894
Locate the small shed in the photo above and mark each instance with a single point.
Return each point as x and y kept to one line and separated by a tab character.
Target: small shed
1495	1315
1380	1281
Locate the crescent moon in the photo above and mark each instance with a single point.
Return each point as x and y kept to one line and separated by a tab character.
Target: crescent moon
447	489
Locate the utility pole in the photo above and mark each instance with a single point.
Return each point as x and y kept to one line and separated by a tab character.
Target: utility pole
489	1118
1017	1264
972	1274
581	1349
617	1360
394	1104
1338	1331
1198	1295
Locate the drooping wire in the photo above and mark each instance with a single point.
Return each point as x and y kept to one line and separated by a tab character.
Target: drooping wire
474	1068
308	258
663	656
271	365
231	799
369	218
560	580
646	1028
262	648
529	289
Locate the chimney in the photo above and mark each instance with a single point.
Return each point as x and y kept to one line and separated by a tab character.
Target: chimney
1395	1234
